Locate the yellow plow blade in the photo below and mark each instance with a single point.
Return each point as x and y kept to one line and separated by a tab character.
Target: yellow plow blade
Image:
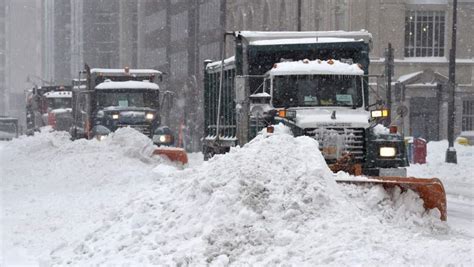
172	153
431	191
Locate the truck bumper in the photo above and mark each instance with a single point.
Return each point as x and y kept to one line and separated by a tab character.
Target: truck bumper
386	172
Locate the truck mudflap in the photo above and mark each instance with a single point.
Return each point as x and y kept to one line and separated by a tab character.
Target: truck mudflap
431	191
173	154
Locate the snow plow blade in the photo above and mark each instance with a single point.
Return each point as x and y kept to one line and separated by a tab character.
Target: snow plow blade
172	153
431	191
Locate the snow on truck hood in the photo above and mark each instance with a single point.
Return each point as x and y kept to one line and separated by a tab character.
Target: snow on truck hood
315	67
108	85
58	94
322	116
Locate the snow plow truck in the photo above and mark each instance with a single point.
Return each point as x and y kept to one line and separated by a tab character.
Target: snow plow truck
108	99
315	83
49	105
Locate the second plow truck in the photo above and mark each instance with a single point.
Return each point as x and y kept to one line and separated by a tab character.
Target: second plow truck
49	106
316	83
108	99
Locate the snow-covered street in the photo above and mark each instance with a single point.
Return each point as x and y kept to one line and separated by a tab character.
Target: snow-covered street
271	202
457	179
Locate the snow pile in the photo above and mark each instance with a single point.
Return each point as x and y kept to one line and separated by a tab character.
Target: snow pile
235	202
379	129
54	190
272	202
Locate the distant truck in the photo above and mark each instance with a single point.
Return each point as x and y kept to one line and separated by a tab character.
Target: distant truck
8	128
49	105
316	83
108	99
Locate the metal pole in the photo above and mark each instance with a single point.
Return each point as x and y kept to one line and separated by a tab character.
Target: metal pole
451	156
218	122
299	15
389	70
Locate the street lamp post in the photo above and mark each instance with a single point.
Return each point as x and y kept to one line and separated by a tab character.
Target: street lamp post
451	156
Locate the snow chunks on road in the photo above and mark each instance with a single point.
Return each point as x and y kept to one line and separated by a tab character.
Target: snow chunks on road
272	202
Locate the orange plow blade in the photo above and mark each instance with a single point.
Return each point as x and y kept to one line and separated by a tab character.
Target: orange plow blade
431	191
172	153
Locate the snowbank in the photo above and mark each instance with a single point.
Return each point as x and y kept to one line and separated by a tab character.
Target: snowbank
55	190
271	202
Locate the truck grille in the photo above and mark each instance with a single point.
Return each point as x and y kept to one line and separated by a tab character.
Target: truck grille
352	139
143	128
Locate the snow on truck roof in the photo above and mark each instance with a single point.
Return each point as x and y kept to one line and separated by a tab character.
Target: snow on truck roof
217	64
122	71
58	94
269	38
321	67
108	85
304	41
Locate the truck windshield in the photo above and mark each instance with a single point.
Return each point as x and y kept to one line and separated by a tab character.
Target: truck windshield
317	90
59	102
127	98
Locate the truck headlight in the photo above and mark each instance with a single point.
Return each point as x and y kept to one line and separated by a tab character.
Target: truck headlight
115	116
149	116
162	138
387	152
379	113
100	137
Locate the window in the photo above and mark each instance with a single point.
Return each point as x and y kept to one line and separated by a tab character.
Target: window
424	33
468	115
316	90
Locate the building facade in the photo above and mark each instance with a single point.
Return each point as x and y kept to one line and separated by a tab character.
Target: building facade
420	33
22	53
3	57
101	33
176	36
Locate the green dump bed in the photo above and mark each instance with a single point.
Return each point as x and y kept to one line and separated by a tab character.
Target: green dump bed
227	124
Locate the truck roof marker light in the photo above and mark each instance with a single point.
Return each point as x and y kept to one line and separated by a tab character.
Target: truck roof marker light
393	129
270	129
330	62
127	70
319	61
305	61
275	65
